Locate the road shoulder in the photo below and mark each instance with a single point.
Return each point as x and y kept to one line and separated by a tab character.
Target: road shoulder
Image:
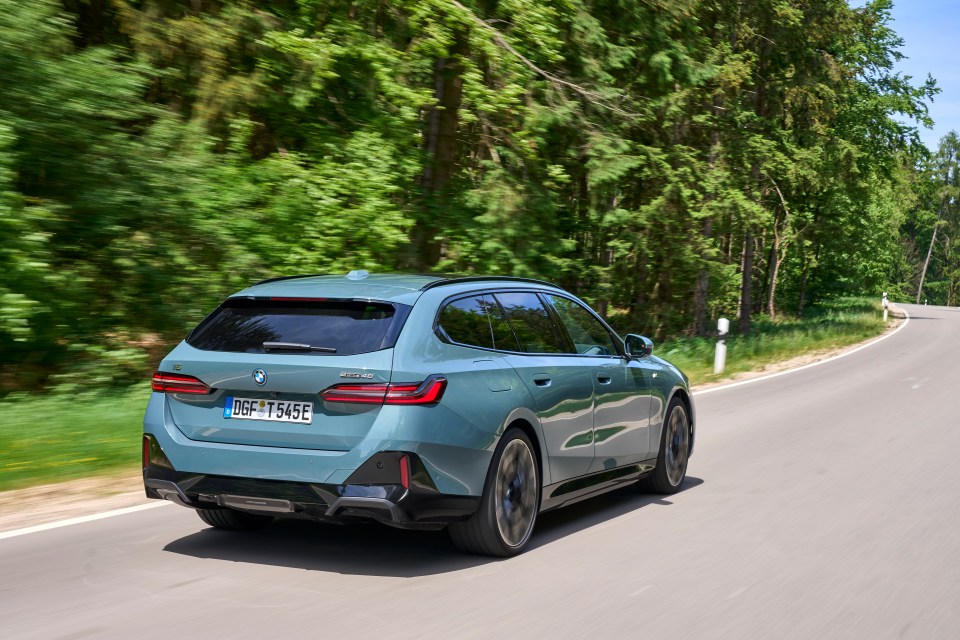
897	318
47	503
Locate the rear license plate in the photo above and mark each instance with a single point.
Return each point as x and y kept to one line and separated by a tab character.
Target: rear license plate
272	410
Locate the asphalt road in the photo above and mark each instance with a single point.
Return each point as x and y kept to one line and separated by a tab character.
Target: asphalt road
823	503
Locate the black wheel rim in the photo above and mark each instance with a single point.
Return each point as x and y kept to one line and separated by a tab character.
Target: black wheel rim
516	493
677	442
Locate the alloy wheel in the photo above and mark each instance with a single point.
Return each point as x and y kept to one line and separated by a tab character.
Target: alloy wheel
677	444
516	493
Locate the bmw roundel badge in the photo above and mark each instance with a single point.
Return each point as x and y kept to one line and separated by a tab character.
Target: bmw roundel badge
260	377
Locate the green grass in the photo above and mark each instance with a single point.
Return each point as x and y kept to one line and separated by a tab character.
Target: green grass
830	325
60	437
53	438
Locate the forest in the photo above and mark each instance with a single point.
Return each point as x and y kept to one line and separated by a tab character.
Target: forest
669	161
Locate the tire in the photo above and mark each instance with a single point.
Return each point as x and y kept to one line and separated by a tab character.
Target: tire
671	469
509	505
233	520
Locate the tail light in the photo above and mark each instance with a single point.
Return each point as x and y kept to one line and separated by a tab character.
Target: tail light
427	392
177	383
356	393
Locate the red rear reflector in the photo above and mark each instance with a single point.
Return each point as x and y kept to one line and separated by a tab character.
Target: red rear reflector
405	471
153	454
427	392
177	383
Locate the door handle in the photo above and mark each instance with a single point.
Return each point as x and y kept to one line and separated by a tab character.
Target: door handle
541	380
603	378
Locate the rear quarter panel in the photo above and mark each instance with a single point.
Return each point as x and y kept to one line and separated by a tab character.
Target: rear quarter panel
483	390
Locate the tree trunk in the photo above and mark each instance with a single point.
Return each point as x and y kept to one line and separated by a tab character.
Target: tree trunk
926	263
773	265
441	146
700	293
760	298
92	22
776	259
639	311
803	289
746	284
760	108
951	281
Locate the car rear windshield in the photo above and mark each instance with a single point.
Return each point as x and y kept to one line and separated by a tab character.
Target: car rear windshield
308	327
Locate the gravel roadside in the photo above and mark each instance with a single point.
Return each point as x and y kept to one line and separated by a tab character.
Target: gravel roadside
33	506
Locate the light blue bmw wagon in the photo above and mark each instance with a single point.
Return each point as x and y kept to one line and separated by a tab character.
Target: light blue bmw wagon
421	402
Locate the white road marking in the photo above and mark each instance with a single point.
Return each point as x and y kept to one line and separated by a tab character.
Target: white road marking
80	520
806	366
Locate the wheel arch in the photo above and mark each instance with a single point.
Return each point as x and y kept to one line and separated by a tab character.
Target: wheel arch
527	422
683	395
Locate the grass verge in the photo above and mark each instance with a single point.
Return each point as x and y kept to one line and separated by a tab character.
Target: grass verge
54	438
830	325
60	437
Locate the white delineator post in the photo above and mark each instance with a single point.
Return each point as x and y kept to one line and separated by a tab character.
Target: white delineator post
886	304
720	357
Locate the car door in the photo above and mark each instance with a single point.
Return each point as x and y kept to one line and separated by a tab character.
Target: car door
561	387
622	394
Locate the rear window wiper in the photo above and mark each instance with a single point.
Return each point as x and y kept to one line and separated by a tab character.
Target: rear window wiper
295	346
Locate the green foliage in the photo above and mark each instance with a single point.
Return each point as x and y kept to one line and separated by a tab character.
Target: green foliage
156	155
932	228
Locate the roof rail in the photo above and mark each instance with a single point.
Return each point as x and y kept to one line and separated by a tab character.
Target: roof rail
279	278
442	279
464	279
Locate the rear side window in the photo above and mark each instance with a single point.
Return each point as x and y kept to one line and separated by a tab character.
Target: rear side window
243	325
477	321
531	323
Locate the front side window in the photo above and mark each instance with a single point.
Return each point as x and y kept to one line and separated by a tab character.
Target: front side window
590	337
341	327
531	323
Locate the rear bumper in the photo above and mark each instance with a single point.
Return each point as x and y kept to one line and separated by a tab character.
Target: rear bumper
455	455
419	506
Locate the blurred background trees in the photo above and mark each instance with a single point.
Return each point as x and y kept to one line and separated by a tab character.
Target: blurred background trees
668	160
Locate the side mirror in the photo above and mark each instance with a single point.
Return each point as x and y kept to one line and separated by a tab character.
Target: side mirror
637	346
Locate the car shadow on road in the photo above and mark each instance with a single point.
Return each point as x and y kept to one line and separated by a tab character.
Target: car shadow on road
373	549
554	525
